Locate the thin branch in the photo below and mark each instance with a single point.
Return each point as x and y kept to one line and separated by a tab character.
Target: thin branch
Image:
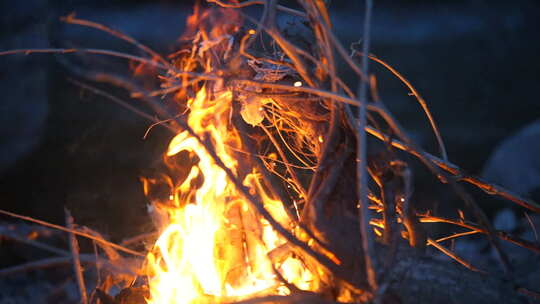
500	234
457	188
368	239
421	101
58	227
529	293
58	261
175	72
70	19
341	50
459	173
121	103
74	247
533	226
303	89
454	256
297	184
89	51
456	235
139	238
131	87
10	235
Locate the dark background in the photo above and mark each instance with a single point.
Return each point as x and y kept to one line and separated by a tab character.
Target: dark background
475	62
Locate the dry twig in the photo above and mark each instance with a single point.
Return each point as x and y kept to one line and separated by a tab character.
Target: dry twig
64	260
368	242
459	174
454	256
474	228
74	247
86	235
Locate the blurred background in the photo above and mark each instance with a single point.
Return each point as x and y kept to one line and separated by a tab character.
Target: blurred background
475	62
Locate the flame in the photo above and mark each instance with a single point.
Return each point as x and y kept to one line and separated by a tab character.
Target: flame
213	247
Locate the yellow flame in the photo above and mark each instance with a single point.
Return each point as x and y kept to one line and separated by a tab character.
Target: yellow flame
213	247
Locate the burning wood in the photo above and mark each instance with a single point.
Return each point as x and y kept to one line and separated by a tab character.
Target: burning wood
263	204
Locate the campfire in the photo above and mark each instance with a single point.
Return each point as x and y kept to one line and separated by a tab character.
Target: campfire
269	193
214	245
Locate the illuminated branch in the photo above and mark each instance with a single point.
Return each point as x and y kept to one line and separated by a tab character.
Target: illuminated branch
368	239
76	232
70	19
420	100
474	228
459	174
454	256
74	248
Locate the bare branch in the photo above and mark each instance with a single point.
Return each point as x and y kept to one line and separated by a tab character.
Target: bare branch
459	173
368	238
57	227
420	100
58	261
72	20
74	247
500	234
454	256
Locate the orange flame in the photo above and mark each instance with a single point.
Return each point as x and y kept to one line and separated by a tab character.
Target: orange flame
213	247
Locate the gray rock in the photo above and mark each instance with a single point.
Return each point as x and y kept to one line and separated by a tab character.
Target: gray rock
515	163
505	220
